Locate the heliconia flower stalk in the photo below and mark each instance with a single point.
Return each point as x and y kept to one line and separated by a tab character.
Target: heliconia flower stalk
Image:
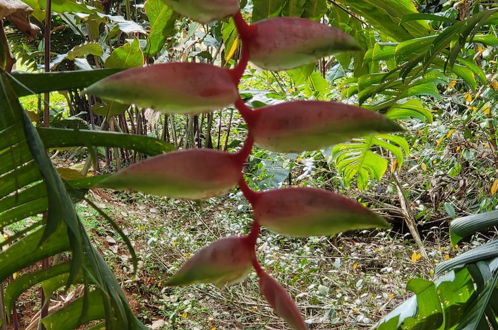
189	174
302	212
310	125
281	301
283	43
170	87
223	262
205	11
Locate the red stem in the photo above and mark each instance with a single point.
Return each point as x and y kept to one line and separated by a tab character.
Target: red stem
251	238
239	69
245	32
249	194
247	113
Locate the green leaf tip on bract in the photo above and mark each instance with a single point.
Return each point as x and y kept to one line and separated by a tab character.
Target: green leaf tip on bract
189	174
310	125
283	43
170	87
303	212
205	11
223	262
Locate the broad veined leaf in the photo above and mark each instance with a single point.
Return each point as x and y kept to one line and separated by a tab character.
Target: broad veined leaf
170	87
89	48
309	125
410	109
283	43
262	9
387	15
281	301
162	24
302	212
429	313
191	174
357	159
127	56
205	11
223	262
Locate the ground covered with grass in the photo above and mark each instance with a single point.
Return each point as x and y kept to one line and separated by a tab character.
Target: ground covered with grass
345	282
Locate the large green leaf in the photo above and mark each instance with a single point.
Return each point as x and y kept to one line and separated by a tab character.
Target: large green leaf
61	229
386	16
129	55
266	8
36	83
465	226
162	25
59	137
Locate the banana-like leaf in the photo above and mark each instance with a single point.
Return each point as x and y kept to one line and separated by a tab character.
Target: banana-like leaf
484	252
465	226
26	281
30	185
36	83
81	311
59	137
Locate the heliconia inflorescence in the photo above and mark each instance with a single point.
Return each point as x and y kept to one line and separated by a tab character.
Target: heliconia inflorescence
274	44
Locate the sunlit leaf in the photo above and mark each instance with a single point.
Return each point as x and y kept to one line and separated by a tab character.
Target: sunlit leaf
205	11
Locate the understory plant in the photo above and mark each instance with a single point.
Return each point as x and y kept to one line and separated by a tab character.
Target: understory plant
464	294
179	87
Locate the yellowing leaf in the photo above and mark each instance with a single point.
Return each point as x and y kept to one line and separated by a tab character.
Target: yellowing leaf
494	187
394	165
416	257
450	133
458	148
487	110
232	50
468	97
69	173
452	84
424	167
494	84
472	108
440	140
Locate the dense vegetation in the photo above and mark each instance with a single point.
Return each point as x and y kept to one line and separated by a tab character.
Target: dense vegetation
104	257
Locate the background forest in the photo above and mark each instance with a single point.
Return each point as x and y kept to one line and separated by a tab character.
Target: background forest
430	65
